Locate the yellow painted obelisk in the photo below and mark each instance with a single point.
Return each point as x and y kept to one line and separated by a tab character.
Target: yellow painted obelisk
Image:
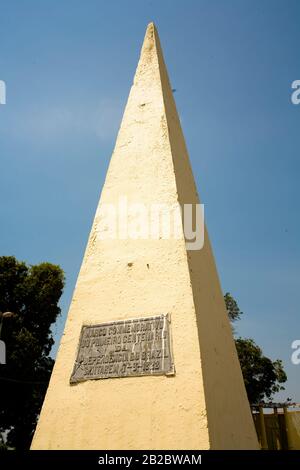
203	405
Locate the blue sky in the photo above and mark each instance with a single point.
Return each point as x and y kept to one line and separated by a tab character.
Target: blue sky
68	66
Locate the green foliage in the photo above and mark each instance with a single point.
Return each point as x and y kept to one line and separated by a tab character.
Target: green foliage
232	307
32	294
262	376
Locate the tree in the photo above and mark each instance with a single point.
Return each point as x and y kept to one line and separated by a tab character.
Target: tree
262	376
232	307
32	294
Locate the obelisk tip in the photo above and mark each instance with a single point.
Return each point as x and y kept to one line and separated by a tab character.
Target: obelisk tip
151	28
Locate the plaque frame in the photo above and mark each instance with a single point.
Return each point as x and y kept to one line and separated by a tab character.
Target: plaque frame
107	370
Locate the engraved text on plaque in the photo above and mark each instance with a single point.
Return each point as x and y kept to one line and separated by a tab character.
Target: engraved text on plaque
140	346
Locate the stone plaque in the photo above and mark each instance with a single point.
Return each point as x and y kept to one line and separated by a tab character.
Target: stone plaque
141	346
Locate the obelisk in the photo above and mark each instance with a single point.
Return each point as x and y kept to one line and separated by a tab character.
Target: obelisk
147	359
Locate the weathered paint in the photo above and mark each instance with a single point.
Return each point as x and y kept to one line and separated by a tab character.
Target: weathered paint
204	405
